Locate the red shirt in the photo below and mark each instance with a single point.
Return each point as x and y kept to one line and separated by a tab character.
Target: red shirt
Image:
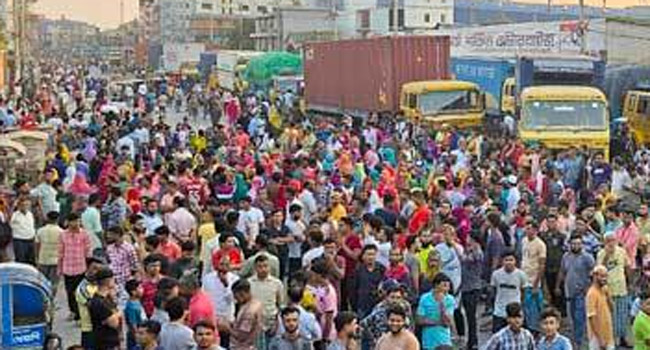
420	219
233	253
397	273
201	309
353	242
171	250
149	290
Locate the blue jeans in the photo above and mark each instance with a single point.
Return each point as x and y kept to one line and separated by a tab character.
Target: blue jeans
533	304
578	314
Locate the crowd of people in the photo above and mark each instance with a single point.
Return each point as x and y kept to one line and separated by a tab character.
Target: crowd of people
272	230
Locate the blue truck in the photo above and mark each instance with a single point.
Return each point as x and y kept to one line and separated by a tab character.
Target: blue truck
488	73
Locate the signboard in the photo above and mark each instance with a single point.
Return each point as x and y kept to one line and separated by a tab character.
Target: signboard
558	37
25	336
174	55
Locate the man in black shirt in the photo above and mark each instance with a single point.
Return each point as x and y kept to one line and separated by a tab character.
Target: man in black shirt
555	241
387	213
277	232
105	317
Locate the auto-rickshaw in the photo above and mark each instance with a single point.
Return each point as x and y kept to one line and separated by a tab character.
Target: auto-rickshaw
25	305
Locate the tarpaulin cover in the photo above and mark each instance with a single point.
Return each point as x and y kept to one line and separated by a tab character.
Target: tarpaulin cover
262	69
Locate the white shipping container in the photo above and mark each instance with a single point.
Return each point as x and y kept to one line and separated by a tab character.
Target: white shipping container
226	80
174	55
228	60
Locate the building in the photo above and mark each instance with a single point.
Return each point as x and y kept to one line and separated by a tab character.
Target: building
64	37
412	17
288	28
174	20
486	12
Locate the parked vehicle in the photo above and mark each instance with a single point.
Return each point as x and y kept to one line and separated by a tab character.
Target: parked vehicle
492	75
562	104
26	299
636	113
407	75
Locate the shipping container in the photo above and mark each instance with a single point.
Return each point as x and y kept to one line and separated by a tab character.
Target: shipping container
207	62
488	73
565	71
176	55
228	60
357	77
621	79
226	80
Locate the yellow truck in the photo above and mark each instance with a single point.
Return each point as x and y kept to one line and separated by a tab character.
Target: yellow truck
636	112
561	117
457	103
508	96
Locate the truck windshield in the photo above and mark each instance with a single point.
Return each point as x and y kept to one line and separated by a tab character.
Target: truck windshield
564	114
448	101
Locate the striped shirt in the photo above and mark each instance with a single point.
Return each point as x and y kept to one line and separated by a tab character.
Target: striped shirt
506	339
74	248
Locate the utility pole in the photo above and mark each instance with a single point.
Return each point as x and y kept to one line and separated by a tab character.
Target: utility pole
19	15
121	12
333	14
395	16
582	28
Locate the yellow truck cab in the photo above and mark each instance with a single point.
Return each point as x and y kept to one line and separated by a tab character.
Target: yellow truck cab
564	116
457	103
508	100
636	111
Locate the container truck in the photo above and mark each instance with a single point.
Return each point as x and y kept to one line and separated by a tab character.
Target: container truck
491	75
562	103
406	75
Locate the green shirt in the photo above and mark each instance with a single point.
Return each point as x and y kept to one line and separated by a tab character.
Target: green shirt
641	330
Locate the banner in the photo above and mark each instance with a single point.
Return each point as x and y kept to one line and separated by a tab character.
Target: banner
559	37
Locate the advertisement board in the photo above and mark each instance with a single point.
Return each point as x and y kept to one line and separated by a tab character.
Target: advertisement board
538	38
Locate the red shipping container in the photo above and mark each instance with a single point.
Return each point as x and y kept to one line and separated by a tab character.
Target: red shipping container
366	75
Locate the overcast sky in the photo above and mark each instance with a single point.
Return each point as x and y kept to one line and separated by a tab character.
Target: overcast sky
106	13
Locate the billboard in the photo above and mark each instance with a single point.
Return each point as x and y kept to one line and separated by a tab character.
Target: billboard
539	38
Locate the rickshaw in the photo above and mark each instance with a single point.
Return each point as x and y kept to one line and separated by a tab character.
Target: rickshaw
12	159
26	302
36	143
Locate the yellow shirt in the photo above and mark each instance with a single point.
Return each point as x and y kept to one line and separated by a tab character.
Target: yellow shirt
48	239
423	257
616	264
206	233
84	293
598	308
533	251
338	213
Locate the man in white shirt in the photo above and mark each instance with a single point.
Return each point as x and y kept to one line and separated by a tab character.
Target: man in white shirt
24	231
296	236
621	180
217	284
316	239
308	201
251	219
182	224
151	217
